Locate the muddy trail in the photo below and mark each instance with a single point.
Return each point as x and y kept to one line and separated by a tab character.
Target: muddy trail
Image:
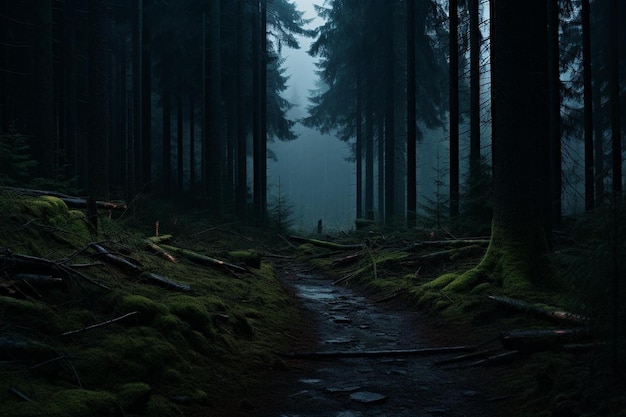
399	384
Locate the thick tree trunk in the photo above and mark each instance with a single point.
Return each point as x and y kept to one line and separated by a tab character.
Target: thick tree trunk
135	168
146	98
519	82
44	118
97	152
192	146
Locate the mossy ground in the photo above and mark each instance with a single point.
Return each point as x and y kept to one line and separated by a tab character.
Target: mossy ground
452	291
179	354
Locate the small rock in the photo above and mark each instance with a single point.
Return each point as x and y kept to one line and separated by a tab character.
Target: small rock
367	397
337	390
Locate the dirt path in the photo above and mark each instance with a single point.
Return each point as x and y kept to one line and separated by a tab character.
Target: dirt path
380	386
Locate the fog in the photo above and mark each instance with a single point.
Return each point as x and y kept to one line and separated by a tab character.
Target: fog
312	171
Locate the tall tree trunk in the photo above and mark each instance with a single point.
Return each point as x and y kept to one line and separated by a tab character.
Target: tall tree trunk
192	146
213	140
44	118
614	88
474	93
553	152
97	146
167	142
179	144
369	154
146	98
454	110
242	151
135	180
70	75
359	145
411	128
381	167
588	107
519	82
390	103
263	155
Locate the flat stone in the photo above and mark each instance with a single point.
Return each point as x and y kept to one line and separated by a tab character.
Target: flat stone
367	397
338	390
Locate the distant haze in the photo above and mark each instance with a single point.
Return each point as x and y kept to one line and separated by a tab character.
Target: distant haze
312	170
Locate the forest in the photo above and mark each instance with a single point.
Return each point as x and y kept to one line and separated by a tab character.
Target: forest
489	122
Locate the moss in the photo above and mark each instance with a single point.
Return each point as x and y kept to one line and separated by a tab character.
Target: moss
33	314
133	396
72	403
191	310
147	308
162	407
251	258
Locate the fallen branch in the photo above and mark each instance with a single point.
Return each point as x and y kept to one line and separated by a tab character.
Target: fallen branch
326	244
545	311
447	243
104	323
499	359
202	259
469	356
378	353
540	340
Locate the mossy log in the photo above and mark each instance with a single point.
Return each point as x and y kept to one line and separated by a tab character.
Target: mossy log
138	270
69	200
203	259
327	244
543	339
160	251
542	310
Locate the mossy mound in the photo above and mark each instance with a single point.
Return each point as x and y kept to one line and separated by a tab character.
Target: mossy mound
106	341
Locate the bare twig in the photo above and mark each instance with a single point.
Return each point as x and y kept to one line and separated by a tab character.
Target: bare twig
104	323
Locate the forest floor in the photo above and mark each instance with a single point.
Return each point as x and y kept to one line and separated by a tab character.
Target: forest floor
106	324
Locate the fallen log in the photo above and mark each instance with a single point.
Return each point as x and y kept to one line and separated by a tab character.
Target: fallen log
165	282
542	310
119	261
160	251
447	243
203	259
543	339
326	244
377	353
69	200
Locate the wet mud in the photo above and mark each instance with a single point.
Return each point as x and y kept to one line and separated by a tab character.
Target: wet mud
386	385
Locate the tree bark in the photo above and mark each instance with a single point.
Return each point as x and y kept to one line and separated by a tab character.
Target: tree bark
146	98
614	89
588	108
454	109
411	136
97	151
519	87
